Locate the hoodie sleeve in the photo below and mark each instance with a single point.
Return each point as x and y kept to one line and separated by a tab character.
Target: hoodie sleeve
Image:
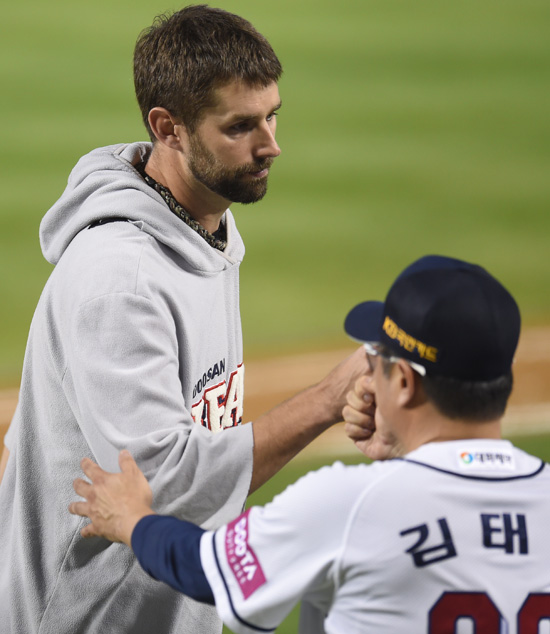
122	376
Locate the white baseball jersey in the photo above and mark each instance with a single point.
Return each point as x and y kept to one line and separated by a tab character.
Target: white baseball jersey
455	537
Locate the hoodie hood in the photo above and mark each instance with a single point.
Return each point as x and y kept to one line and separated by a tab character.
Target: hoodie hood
105	184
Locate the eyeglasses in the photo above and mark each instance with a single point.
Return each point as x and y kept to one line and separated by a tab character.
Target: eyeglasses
374	350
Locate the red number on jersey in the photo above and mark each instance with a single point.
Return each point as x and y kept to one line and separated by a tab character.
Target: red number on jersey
478	607
533	611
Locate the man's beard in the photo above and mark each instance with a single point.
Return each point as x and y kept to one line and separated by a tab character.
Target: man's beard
225	182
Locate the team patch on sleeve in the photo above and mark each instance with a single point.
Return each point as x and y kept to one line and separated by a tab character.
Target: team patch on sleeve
241	558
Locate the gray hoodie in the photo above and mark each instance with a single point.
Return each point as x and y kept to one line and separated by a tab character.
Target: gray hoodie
136	343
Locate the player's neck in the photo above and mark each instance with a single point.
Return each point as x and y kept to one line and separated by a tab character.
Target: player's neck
433	427
169	169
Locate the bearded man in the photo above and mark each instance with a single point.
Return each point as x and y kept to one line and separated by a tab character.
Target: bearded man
136	341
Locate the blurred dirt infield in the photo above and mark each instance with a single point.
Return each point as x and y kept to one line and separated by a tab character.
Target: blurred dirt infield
270	381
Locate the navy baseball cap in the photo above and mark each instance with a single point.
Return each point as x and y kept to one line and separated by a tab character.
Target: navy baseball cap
451	317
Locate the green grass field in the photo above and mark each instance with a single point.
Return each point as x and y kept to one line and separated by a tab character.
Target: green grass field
407	128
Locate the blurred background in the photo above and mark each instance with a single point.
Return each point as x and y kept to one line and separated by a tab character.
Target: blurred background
406	129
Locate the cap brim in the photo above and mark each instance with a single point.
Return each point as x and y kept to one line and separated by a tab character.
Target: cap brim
364	322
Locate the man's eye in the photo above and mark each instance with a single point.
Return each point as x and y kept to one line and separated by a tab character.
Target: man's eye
240	127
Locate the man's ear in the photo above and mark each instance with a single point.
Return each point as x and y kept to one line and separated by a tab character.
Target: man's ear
407	384
166	129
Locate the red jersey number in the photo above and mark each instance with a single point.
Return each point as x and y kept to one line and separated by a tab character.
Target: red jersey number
478	607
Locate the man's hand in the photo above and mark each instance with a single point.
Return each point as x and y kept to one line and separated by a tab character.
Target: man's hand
115	502
340	380
376	442
359	414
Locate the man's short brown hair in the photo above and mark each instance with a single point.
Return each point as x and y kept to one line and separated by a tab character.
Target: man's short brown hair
184	57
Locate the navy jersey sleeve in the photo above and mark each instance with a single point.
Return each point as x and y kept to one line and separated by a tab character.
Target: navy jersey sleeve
168	549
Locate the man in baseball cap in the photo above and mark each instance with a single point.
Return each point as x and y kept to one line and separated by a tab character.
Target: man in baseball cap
447	333
455	528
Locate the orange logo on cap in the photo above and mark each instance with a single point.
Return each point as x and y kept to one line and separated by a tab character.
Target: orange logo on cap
409	342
